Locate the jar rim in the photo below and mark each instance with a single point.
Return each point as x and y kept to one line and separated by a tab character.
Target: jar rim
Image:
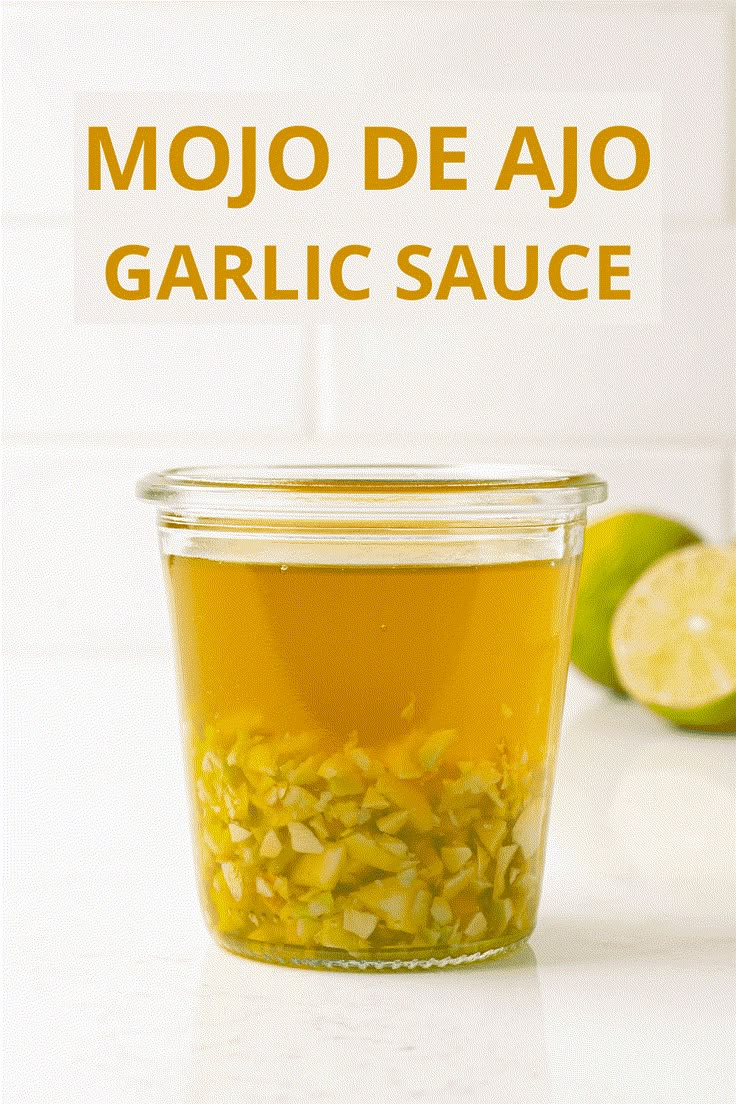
359	490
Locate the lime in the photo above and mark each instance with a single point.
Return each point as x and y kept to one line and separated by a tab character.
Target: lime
674	638
618	549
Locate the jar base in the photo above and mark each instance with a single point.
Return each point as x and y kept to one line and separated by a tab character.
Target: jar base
412	958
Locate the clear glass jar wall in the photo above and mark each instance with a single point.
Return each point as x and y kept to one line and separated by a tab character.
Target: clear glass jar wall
372	670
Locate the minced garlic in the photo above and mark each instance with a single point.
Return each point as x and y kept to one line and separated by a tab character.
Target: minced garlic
360	849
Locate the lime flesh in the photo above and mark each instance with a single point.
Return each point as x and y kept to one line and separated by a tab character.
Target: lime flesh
618	549
673	638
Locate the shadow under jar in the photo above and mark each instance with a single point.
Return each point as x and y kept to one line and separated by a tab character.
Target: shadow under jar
372	671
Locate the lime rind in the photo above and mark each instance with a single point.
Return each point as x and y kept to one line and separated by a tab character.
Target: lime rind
718	717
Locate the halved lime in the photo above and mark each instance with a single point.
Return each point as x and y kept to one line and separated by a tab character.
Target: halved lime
618	549
673	638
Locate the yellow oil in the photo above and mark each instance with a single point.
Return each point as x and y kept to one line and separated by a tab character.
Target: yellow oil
371	750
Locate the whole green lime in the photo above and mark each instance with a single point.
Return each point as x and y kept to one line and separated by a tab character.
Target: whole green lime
618	549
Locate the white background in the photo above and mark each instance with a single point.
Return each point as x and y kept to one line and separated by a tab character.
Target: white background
113	994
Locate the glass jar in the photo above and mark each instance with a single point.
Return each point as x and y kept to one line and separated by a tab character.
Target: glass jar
372	671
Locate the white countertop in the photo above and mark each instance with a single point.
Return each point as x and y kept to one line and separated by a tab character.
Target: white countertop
625	994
